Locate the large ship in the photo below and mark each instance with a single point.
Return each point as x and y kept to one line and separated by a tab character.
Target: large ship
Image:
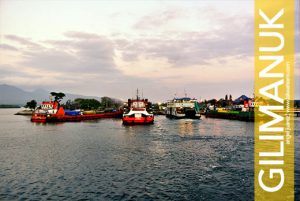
180	108
138	112
52	111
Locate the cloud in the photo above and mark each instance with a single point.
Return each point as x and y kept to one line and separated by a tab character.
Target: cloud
78	53
160	63
8	47
195	48
81	35
159	18
78	61
21	40
8	70
90	62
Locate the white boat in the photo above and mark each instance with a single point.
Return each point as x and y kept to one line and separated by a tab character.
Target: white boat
180	108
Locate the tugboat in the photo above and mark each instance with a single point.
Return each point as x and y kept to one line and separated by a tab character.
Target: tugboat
138	112
46	109
180	108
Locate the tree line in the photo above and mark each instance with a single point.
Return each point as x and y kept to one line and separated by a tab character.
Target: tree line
92	104
81	103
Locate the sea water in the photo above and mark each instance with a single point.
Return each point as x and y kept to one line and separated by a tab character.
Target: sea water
207	159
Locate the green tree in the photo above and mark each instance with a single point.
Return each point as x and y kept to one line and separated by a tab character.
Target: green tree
31	104
71	105
107	102
88	103
155	107
58	96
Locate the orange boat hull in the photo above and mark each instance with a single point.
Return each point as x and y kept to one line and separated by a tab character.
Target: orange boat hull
69	118
138	120
39	118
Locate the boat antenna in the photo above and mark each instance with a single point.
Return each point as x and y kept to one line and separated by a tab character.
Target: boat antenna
185	93
137	94
142	93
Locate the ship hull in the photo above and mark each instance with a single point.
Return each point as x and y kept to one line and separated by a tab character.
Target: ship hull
39	118
138	120
187	114
183	117
76	118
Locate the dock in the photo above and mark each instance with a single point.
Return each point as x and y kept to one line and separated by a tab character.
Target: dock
239	115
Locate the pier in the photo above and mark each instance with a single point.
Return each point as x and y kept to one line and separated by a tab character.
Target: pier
295	111
242	116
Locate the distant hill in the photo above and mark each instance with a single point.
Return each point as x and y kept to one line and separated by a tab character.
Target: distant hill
12	95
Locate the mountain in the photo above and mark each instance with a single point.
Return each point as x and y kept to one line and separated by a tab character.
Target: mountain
16	96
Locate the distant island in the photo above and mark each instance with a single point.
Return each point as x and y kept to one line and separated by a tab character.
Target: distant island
9	106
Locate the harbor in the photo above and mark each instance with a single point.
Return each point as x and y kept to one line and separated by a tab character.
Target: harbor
106	149
139	110
185	159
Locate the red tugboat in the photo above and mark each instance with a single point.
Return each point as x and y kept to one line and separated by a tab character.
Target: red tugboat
44	110
53	112
137	112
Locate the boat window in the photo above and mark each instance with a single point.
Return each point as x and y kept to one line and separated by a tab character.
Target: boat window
138	104
138	115
180	110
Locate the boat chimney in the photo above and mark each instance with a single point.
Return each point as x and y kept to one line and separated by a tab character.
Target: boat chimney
137	94
129	102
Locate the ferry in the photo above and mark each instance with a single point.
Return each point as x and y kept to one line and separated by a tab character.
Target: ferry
138	112
53	112
185	107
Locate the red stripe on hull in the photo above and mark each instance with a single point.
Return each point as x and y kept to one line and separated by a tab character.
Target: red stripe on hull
68	118
39	118
138	120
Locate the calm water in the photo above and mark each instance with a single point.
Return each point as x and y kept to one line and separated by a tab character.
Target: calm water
208	159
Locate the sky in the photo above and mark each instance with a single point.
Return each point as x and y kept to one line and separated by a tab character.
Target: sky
111	48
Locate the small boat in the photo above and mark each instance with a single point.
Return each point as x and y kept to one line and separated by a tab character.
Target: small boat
138	112
53	112
180	108
25	111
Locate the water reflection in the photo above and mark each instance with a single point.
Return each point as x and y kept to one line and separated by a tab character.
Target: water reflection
187	127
